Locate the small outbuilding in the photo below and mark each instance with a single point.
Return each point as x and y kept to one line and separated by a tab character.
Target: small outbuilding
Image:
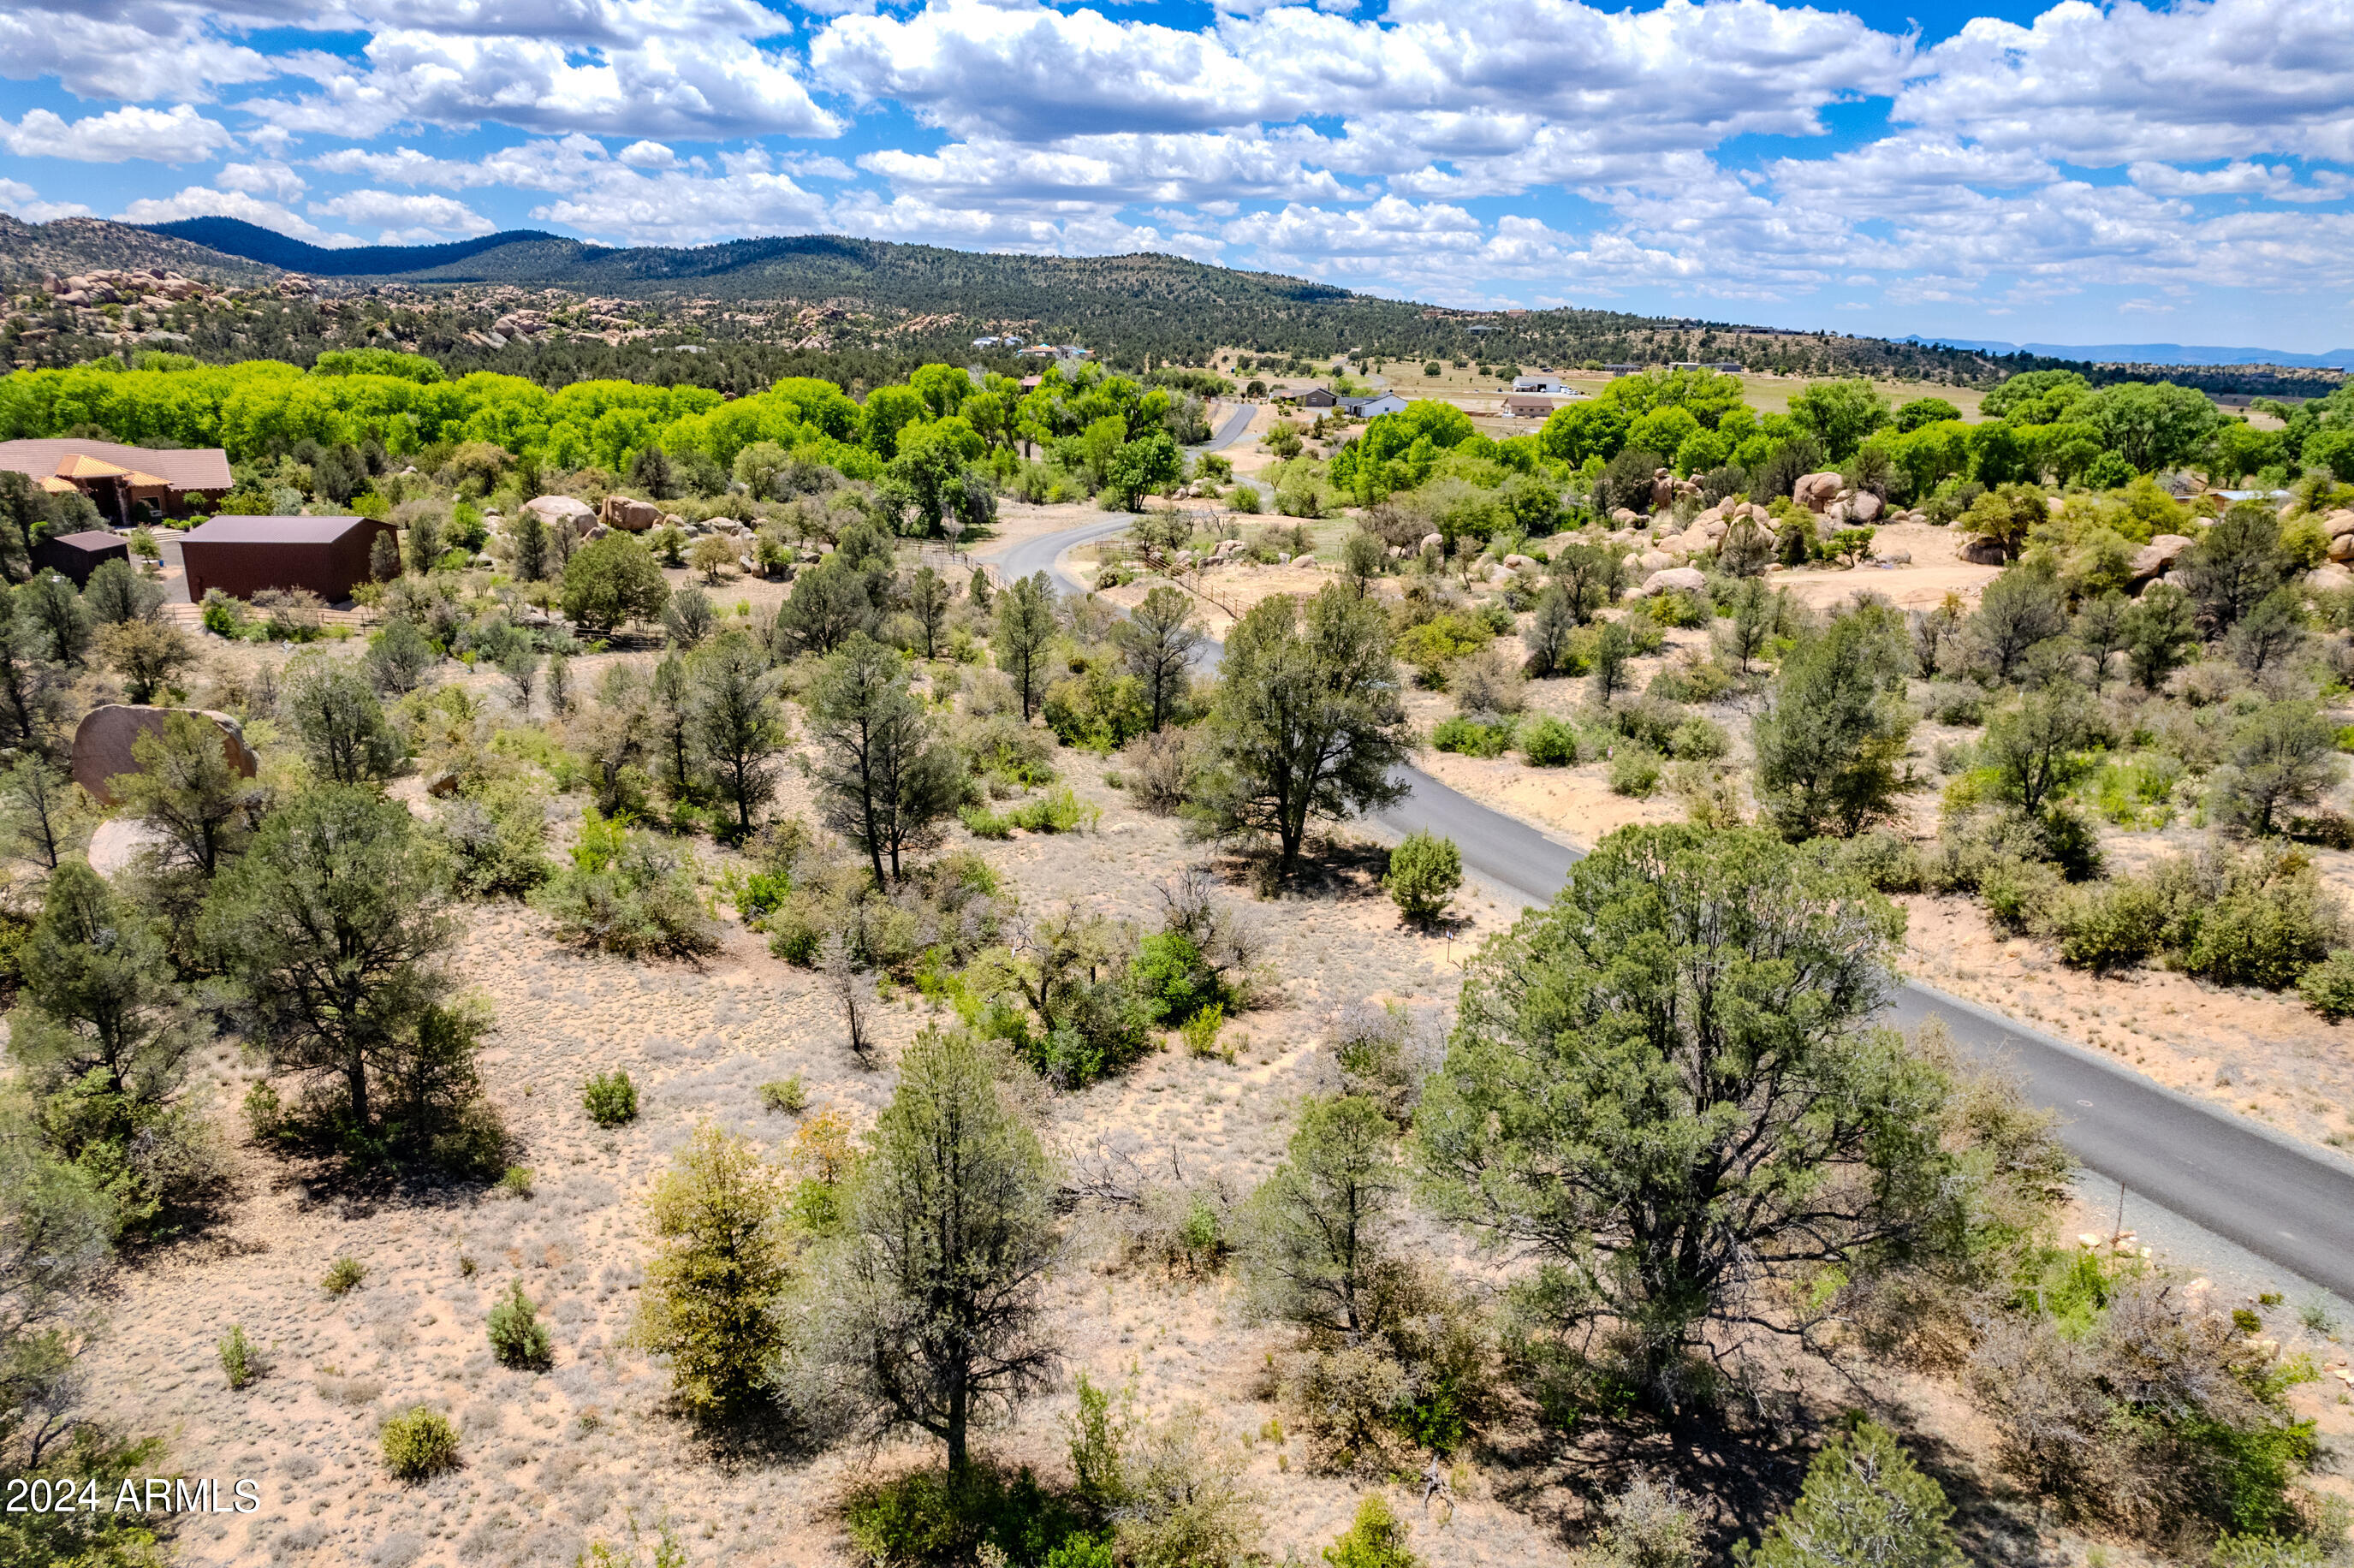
75	555
1318	397
243	555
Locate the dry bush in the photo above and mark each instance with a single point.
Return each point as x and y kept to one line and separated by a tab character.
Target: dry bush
1489	682
1388	1052
1155	768
2127	1401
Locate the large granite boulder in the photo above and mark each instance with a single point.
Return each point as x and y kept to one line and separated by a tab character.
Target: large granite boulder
1816	491
630	516
103	740
2339	524
1981	552
553	510
1863	506
2157	557
1686	579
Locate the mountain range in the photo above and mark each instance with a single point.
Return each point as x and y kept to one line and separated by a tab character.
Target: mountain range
2151	353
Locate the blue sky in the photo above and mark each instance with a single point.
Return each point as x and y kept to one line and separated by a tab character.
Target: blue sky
2071	174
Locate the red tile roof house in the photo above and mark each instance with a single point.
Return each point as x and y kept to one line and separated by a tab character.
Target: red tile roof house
243	555
114	476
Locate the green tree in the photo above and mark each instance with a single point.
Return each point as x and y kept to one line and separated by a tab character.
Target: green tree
2019	611
2234	566
1665	1087
934	1314
2161	633
736	725
1024	630
187	791
1157	644
2281	757
1425	872
1835	727
531	548
886	781
59	621
611	580
99	996
1839	414
148	655
1308	722
1590	576
1613	649
714	1299
830	602
47	815
115	593
1865	1501
335	929
1145	466
1375	1539
31	707
1749	630
1318	1237
338	722
928	596
2271	634
2036	748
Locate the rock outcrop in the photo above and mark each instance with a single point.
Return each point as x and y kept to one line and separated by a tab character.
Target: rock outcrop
102	744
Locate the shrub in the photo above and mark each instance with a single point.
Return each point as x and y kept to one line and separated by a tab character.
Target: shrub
611	1100
239	1357
1634	770
1423	873
420	1444
1699	739
1199	1031
516	1182
785	1095
2329	986
710	1300
1376	1538
224	617
1864	1501
343	1274
1674	606
1470	738
2110	926
1649	1525
1549	743
933	1519
518	1339
625	893
1155	770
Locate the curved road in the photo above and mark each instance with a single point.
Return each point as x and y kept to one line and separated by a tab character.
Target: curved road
2252	1186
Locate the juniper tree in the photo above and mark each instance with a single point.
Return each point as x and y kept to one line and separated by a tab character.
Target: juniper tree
338	722
1835	727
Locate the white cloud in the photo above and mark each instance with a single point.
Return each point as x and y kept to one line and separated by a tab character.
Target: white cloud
648	155
20	200
201	201
2274	182
124	52
684	85
2203	78
268	177
438	217
176	135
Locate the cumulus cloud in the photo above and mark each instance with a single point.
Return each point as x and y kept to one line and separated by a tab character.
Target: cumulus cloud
19	199
162	48
203	201
176	135
266	177
437	217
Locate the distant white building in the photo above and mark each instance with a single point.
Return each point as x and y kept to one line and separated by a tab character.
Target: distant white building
1547	384
1369	408
987	341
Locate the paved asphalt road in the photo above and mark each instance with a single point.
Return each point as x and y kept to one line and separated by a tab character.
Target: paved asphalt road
2241	1182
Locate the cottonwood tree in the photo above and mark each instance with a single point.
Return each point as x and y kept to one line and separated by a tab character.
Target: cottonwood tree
735	724
1157	644
1835	727
884	780
932	1316
339	723
1666	1087
1024	634
335	929
1307	724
